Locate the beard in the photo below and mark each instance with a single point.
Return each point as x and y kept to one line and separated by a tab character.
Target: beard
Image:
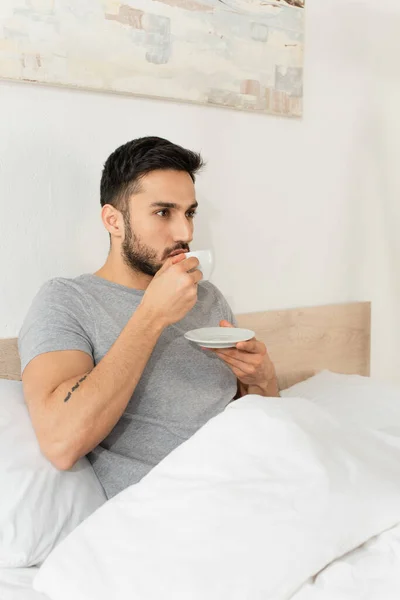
140	257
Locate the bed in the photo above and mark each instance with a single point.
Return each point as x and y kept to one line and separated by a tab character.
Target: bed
16	584
301	343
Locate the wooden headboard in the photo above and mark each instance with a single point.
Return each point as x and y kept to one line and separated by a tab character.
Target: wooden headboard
300	341
303	341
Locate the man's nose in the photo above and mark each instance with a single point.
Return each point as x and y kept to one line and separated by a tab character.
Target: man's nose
183	230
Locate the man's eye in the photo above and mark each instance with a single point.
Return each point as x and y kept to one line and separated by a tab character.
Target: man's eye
191	214
163	213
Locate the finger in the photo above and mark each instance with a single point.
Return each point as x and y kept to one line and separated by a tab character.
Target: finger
196	276
232	352
173	260
252	346
177	259
237	370
190	263
247	357
239	374
247	368
225	323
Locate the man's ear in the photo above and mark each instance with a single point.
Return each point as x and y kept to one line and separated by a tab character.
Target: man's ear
113	221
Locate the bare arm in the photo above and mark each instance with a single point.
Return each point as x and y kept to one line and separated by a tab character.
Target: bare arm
271	389
74	406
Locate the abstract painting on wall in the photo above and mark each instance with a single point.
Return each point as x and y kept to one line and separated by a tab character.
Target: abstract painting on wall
242	54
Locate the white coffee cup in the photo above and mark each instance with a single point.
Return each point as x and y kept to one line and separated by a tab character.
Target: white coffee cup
206	260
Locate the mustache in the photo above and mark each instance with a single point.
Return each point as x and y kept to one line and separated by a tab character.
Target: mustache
180	246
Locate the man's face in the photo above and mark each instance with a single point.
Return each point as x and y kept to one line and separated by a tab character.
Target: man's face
159	221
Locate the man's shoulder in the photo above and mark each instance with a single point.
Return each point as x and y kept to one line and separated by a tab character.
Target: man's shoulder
60	300
61	286
60	293
58	319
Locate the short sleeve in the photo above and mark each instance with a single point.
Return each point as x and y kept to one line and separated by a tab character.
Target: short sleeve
53	323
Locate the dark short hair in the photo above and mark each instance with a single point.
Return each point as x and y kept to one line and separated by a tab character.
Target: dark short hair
128	164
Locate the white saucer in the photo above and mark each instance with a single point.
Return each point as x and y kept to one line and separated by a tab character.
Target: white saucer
219	337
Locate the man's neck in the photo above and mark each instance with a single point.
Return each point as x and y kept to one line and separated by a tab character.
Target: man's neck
116	271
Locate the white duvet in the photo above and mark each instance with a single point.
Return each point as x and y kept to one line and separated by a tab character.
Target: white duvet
371	572
252	507
16	584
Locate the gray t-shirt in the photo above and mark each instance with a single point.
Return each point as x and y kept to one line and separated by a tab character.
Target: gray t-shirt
181	388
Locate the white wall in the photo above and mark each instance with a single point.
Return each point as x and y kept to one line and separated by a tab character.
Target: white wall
298	212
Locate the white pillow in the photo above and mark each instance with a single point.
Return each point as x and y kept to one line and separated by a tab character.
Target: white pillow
258	500
367	402
39	505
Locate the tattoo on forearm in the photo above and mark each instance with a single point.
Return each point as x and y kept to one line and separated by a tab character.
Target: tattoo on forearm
75	387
